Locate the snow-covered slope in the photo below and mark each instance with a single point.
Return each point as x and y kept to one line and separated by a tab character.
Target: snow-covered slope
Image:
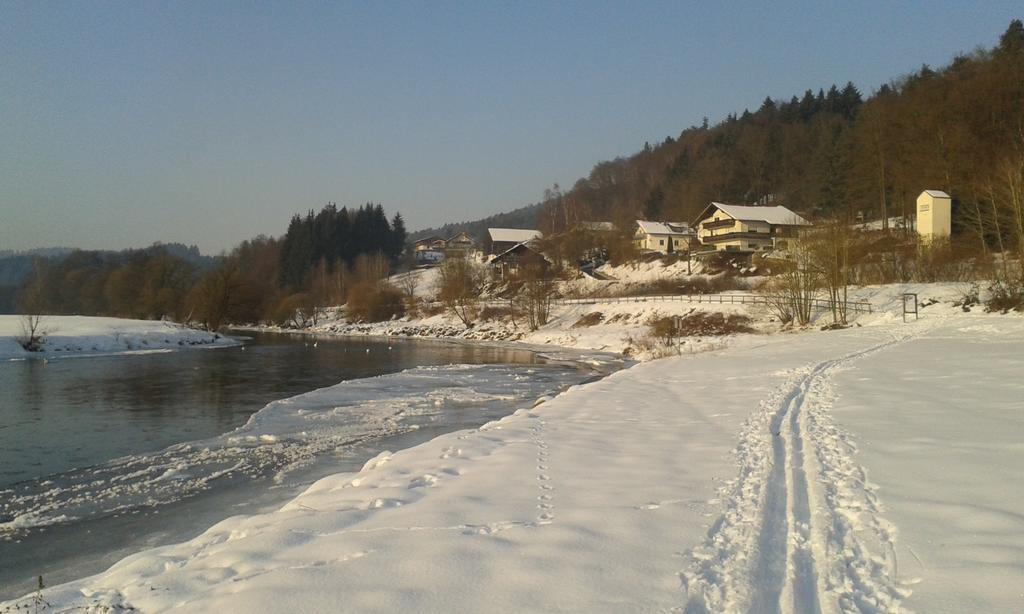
66	335
868	469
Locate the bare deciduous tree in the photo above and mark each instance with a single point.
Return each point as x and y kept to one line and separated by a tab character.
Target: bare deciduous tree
829	248
536	294
32	333
790	294
458	288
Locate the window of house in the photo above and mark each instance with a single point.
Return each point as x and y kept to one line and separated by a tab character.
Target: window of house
752	245
661	241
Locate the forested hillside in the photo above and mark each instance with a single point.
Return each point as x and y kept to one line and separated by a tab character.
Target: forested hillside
834	152
523	217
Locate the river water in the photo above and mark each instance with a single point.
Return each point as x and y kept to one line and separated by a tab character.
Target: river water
103	456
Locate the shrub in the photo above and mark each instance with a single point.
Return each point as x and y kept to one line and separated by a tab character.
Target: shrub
492	312
32	333
293	310
1006	294
664	329
428	310
591	319
703	324
374	302
969	296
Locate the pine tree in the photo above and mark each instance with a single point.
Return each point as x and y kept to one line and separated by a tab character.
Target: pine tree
654	204
1012	41
398	236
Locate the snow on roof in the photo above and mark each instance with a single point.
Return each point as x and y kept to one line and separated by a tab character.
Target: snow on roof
665	228
936	193
513	235
524	245
773	215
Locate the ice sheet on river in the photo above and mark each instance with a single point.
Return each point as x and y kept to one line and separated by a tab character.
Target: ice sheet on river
284	436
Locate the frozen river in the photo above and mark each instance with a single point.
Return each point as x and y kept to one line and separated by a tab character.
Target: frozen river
102	456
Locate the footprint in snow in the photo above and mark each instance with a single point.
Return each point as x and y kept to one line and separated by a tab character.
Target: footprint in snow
424	480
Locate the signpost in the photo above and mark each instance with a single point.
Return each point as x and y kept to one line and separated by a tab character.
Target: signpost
909	298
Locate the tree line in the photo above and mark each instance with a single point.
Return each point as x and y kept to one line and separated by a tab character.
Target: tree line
318	261
336	237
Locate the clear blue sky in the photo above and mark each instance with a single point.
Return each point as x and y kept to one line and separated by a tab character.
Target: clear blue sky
210	122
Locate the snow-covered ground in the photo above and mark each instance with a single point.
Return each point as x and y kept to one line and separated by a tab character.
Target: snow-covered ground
622	326
875	468
78	335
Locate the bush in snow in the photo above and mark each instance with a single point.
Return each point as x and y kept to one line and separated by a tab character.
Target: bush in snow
374	302
32	333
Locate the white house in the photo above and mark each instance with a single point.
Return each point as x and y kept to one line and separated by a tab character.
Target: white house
744	228
663	237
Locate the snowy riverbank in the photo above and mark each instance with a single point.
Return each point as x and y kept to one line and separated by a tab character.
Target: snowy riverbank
84	335
622	325
873	468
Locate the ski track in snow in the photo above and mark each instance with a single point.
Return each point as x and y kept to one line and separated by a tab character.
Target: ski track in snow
801	529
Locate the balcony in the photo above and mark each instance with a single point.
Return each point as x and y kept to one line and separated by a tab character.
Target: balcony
718	224
735	236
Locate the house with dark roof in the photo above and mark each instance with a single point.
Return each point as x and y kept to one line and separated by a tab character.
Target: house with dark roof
503	239
744	228
510	263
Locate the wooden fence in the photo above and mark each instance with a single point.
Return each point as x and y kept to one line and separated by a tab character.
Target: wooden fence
720	299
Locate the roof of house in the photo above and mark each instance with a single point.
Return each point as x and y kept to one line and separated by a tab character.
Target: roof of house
773	215
665	228
936	193
460	235
513	235
428	240
518	246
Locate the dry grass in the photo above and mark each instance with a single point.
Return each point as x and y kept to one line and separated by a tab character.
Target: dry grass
491	312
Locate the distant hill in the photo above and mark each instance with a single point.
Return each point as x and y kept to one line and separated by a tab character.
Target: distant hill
523	217
17	266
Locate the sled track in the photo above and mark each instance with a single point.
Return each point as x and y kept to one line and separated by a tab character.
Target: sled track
801	529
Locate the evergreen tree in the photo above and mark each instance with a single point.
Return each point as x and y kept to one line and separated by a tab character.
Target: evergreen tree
398	236
1012	41
654	205
808	106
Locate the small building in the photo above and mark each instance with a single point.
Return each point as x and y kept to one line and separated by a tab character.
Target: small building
745	228
511	262
459	245
503	239
934	215
429	250
663	237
